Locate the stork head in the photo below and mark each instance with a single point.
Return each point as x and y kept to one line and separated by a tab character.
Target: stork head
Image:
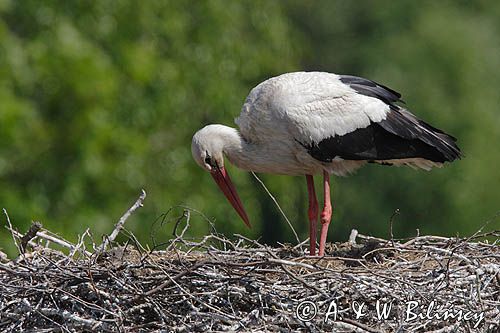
207	148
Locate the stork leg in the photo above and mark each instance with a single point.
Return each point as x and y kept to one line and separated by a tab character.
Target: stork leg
326	214
313	214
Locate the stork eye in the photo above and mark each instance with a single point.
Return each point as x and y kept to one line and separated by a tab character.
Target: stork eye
208	160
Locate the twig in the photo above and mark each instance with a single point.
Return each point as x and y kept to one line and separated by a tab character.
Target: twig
54	239
89	323
279	207
396	212
30	234
451	253
290	263
423	239
180	238
80	244
12	231
304	282
485	224
301	244
185	214
175	278
360	325
119	225
202	302
352	236
237	284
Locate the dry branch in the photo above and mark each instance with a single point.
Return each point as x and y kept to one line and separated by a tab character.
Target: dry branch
35	227
121	222
220	284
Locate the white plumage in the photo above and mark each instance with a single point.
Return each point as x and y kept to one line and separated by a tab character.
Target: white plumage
308	107
309	123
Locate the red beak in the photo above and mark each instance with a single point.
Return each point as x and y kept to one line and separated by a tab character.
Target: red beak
222	179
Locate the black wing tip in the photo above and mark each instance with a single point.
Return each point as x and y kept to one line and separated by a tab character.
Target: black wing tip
372	89
403	123
446	144
390	89
454	152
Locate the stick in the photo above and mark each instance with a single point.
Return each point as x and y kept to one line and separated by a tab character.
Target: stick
12	231
279	207
121	221
177	277
66	315
352	236
450	253
58	241
396	212
360	325
35	227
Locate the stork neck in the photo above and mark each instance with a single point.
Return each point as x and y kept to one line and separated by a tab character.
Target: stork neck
270	156
239	152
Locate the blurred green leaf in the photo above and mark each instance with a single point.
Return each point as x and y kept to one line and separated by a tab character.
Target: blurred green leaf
100	99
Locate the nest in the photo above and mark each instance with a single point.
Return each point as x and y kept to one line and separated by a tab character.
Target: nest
367	284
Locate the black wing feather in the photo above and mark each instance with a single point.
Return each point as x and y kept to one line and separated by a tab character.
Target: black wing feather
373	143
408	127
373	89
401	135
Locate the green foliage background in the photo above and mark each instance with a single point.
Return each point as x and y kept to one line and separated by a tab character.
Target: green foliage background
99	99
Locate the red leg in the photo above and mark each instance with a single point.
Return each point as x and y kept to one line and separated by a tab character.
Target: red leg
326	214
313	214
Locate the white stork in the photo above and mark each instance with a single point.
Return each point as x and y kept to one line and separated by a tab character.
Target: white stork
308	123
